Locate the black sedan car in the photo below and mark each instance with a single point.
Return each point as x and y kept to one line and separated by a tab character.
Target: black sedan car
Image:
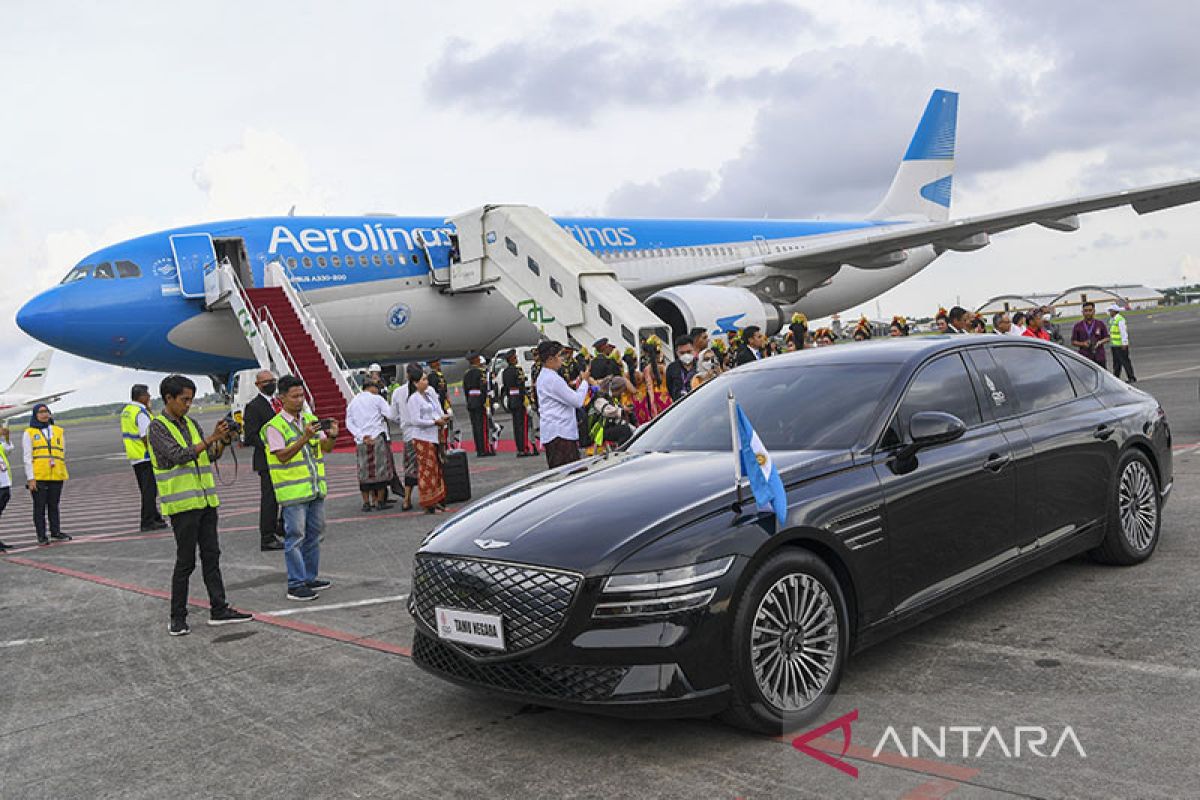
919	473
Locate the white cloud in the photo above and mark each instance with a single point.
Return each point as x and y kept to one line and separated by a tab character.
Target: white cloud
264	173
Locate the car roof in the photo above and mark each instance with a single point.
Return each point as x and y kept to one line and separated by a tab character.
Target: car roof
907	350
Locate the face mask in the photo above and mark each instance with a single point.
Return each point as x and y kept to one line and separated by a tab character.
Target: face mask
687	358
269	388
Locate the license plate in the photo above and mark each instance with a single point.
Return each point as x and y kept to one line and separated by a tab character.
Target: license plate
470	627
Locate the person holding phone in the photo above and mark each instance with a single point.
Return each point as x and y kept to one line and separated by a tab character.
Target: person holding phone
181	457
296	443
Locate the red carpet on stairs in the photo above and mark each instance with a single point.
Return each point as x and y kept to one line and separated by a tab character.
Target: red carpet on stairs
306	358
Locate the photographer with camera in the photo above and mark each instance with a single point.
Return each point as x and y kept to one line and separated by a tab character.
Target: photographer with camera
181	457
296	443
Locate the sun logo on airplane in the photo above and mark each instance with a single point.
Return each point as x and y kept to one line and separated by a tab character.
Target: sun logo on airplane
398	317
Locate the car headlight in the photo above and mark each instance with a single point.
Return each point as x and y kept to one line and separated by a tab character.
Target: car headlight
657	605
668	578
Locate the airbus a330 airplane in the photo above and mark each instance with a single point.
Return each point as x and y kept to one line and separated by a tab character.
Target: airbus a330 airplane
26	391
374	279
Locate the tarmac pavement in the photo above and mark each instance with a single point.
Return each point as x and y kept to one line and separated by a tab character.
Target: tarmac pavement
321	700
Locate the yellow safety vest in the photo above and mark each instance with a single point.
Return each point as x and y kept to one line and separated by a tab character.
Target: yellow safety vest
49	458
135	445
189	486
4	458
1114	331
303	478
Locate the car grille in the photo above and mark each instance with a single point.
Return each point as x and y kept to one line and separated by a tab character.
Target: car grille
560	682
532	601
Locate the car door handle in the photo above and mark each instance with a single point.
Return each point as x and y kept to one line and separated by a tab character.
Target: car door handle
1102	432
997	462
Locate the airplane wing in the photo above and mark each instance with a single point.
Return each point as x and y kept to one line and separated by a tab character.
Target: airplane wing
883	248
47	399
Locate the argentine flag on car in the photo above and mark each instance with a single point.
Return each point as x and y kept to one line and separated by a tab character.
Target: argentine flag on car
756	466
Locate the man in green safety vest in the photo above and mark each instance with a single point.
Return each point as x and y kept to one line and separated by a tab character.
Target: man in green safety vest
181	457
1118	342
296	443
135	424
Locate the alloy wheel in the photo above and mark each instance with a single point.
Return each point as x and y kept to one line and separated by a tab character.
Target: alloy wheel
795	642
1137	504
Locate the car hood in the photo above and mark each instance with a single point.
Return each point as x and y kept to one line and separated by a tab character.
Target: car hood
591	515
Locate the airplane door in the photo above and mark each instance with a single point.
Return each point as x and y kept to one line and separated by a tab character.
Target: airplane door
194	254
760	242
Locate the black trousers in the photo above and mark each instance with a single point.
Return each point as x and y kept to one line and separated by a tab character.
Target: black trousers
1121	360
270	524
144	473
194	530
479	429
5	496
520	419
45	504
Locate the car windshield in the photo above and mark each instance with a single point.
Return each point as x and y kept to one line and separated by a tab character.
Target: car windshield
820	407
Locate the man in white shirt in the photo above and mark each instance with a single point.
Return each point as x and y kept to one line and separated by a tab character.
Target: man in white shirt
557	402
367	416
5	474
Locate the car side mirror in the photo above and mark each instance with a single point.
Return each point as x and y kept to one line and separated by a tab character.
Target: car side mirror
927	428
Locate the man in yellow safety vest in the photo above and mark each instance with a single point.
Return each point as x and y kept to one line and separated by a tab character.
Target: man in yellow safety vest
1118	342
296	443
182	457
135	423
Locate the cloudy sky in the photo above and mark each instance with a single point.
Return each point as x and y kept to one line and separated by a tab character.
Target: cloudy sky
124	118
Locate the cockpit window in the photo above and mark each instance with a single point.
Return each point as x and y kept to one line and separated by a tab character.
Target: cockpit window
104	270
79	273
128	269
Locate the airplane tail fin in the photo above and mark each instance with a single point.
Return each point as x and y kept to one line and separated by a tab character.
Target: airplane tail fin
33	378
921	188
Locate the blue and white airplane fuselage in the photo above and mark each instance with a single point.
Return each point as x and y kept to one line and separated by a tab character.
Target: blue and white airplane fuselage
377	282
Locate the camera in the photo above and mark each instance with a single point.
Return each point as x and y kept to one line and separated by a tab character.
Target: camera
235	427
325	424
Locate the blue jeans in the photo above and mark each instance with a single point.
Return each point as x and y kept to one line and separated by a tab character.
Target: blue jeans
303	524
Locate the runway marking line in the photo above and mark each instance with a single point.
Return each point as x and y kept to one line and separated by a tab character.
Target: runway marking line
950	776
306	609
366	642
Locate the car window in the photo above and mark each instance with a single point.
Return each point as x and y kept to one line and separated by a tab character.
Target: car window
825	407
992	384
1035	375
1085	377
941	385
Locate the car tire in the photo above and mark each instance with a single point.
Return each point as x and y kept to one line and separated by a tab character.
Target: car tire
762	698
1134	513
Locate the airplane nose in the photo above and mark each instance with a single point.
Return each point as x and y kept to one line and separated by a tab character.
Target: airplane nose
41	317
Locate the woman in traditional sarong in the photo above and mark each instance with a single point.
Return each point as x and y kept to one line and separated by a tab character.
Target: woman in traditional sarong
425	419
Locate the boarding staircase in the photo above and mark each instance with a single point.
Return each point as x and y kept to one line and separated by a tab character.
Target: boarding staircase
286	336
572	296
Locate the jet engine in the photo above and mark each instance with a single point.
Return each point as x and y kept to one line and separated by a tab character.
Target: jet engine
716	308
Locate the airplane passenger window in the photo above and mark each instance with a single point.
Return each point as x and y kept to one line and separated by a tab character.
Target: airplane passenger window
416	258
388	258
320	261
105	270
400	259
337	261
362	261
128	269
292	262
79	273
377	260
307	261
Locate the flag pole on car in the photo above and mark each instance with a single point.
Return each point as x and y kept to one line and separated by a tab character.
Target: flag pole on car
737	460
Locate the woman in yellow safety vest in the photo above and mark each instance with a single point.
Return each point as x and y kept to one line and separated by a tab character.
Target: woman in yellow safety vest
46	470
